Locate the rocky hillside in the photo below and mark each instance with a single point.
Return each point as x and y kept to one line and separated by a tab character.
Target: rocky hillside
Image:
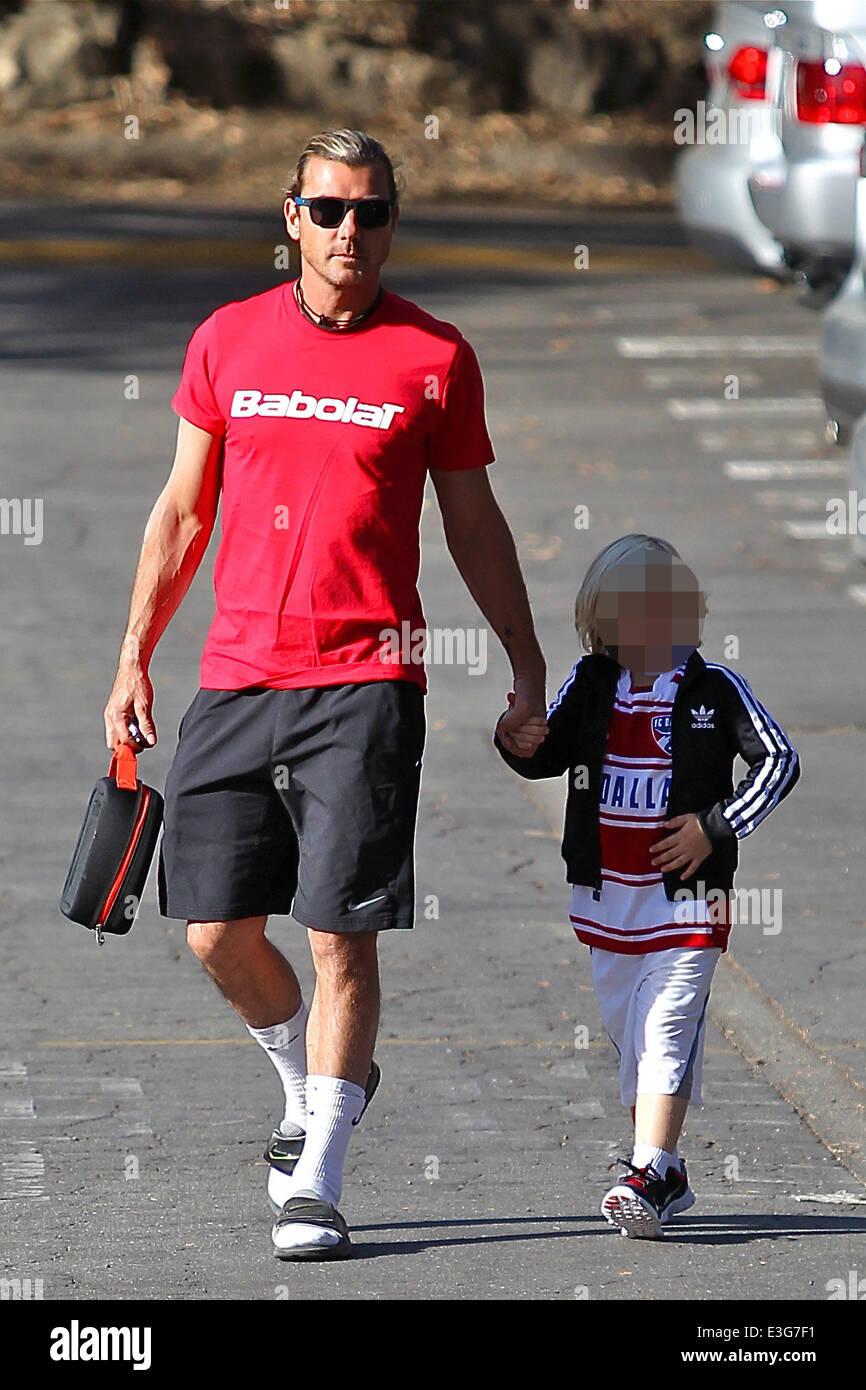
212	98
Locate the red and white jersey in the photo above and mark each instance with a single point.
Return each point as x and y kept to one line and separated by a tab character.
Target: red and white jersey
632	914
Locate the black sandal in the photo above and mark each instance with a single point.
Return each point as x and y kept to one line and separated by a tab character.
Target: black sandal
284	1150
313	1211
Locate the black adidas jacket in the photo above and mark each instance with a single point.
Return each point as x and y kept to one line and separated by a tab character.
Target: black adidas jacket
714	717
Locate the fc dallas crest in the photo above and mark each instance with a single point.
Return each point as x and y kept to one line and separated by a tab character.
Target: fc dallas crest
661	727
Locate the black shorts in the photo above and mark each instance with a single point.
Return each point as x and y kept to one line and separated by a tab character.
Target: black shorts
300	801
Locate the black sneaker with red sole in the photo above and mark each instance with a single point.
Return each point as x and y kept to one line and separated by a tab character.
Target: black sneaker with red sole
635	1203
642	1202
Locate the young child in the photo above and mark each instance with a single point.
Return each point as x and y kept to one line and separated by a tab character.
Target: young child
648	732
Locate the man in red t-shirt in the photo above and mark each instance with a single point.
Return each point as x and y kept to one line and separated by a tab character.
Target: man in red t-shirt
316	410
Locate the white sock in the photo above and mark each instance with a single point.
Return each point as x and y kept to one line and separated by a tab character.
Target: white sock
333	1106
661	1160
671	1160
285	1044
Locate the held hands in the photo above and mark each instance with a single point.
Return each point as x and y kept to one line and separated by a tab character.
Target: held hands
131	699
688	846
523	727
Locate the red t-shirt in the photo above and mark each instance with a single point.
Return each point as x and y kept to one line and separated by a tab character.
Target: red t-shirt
328	439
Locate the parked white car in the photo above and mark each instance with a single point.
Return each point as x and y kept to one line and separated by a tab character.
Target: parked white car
804	185
731	133
843	335
843	362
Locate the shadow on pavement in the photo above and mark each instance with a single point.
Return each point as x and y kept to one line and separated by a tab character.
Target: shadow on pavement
705	1230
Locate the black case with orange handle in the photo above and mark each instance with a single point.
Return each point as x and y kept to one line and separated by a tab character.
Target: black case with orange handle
114	851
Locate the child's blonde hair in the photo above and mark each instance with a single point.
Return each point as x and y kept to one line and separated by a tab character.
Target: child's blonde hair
608	560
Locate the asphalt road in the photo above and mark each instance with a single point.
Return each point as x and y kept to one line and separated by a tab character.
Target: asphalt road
135	1107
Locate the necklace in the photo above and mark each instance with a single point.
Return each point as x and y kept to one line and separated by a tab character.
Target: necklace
333	325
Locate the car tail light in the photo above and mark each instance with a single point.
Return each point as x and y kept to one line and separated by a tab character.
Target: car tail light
825	96
748	73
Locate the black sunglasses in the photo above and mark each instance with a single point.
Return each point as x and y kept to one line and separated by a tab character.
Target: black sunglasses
329	212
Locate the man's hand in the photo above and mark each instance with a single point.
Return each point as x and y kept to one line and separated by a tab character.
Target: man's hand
482	548
524	725
689	846
131	698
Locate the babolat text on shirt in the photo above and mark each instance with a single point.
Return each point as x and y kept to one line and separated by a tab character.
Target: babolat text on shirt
348	412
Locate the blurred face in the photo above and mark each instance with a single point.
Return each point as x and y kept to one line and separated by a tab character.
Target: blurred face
346	256
649	614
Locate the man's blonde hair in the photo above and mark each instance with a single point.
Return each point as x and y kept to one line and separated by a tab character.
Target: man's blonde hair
353	147
615	555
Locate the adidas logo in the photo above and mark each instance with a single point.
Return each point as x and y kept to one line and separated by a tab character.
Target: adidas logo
703	718
298	406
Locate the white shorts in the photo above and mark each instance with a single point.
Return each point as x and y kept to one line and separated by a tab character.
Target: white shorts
653	1008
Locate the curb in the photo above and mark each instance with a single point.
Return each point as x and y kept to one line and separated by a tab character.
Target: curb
824	1094
258	254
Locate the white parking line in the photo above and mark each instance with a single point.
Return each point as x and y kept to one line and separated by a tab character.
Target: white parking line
834	561
17	1108
660	378
628	316
857	592
121	1087
712	407
22	1167
57	1100
743	437
746	345
648	309
810	531
22	1172
75	1087
759	471
797	501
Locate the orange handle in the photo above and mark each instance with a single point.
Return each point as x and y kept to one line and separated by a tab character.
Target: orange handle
124	767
